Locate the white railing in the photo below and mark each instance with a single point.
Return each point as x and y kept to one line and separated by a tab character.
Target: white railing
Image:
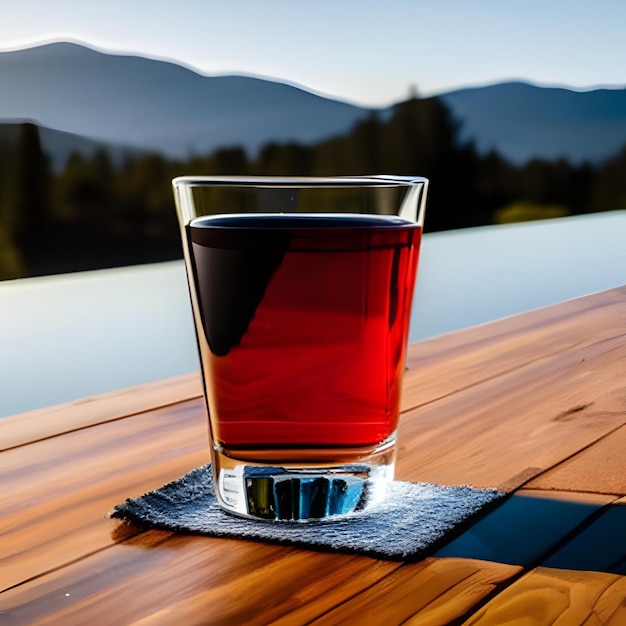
75	335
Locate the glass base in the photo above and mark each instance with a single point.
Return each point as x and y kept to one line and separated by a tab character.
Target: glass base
303	491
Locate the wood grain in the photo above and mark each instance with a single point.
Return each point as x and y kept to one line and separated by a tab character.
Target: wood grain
57	492
443	365
35	425
157	578
434	591
551	596
536	399
601	468
94	468
508	429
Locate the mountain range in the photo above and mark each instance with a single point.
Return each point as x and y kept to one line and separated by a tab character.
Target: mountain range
523	121
83	98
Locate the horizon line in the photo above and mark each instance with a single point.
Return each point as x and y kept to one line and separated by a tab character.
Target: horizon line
66	39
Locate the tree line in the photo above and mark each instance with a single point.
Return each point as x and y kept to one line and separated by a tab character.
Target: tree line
97	213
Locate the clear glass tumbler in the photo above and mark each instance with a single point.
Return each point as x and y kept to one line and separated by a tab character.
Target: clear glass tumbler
301	291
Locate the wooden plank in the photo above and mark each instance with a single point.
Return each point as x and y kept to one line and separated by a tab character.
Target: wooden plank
434	591
56	493
471	437
600	468
157	578
544	597
557	315
458	360
507	430
35	425
507	425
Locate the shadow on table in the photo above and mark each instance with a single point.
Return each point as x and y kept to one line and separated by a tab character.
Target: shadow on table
529	531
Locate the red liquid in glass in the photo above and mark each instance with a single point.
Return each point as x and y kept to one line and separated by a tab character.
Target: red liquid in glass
305	322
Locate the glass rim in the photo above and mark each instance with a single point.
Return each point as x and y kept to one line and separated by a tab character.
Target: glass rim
322	182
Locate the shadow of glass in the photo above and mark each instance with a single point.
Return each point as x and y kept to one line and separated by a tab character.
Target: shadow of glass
531	530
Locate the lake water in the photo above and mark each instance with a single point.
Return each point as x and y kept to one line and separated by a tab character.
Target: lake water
75	335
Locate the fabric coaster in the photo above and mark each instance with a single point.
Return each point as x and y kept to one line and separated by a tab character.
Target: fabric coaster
414	519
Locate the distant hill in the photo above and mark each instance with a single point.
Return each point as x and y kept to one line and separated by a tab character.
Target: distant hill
156	105
145	104
58	145
523	121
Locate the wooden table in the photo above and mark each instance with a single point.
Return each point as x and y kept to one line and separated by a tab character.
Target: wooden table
533	404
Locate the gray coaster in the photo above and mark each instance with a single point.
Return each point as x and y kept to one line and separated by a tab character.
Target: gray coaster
414	520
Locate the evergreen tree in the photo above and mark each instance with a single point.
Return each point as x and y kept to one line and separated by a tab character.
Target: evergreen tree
363	144
609	190
421	138
32	178
85	184
292	159
10	258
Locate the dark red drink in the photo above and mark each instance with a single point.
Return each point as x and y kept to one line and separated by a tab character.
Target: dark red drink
304	323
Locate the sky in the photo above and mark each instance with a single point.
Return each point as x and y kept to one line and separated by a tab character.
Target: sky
365	52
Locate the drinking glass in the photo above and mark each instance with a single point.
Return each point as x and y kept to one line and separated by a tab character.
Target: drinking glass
301	291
